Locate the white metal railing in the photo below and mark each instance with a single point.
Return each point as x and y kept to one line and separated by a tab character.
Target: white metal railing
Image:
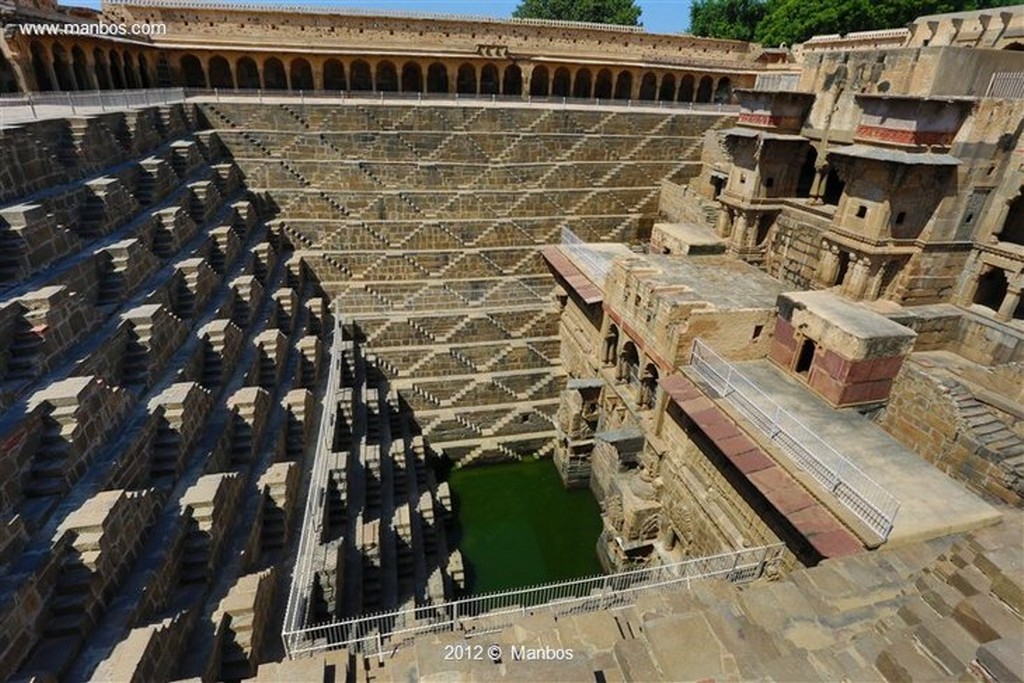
596	262
95	99
296	611
858	492
1007	85
490	612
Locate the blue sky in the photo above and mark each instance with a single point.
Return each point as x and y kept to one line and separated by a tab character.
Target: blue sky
659	16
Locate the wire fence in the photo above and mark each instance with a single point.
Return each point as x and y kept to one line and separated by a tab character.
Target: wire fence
854	489
490	612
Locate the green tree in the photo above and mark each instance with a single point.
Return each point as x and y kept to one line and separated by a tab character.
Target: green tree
622	12
729	19
793	21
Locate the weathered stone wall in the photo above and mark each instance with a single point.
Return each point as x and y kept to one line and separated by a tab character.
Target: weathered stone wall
939	419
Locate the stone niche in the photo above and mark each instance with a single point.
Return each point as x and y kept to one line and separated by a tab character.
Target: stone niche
845	353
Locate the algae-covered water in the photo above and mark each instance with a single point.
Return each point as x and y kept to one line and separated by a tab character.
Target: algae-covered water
517	526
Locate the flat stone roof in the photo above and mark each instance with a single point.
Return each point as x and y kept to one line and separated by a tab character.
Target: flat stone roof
931	504
724	282
690	233
850	317
895	156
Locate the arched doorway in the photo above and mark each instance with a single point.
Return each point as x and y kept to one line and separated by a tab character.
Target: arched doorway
685	89
102	67
667	92
273	75
582	85
611	345
117	72
629	365
624	85
489	80
1013	226
466	80
361	76
387	76
144	80
191	71
8	80
805	179
513	80
437	78
991	291
62	68
539	82
78	67
704	89
39	66
131	76
220	73
412	77
248	74
723	93
648	387
603	85
302	75
560	86
648	86
334	75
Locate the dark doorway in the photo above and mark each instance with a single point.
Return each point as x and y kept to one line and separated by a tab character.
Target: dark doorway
833	188
539	82
561	84
513	80
805	358
805	181
1013	227
991	289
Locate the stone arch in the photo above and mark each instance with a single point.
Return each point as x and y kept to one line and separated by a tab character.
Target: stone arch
131	76
387	76
648	86
40	68
62	68
274	77
629	363
220	73
301	75
360	76
334	75
624	85
247	73
1013	226
79	68
163	71
603	85
489	80
582	84
685	89
8	79
465	82
704	89
539	82
513	80
667	91
560	87
192	75
723	91
144	79
437	78
412	77
117	72
102	67
992	287
648	386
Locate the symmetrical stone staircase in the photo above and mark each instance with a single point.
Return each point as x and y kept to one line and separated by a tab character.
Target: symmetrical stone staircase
154	329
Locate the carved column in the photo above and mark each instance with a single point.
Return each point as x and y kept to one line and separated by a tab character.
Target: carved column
828	265
1010	303
724	224
818	185
860	274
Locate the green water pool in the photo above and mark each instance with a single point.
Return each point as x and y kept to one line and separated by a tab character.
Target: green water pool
517	526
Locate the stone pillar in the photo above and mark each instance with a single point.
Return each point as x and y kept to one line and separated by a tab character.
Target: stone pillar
51	72
90	72
818	185
634	91
860	274
259	73
608	357
739	230
828	264
724	224
1010	303
972	271
233	68
622	370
